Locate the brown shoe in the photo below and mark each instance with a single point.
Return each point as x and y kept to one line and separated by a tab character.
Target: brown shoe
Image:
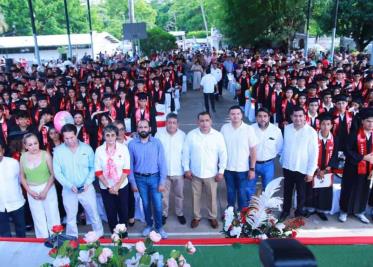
194	223
214	223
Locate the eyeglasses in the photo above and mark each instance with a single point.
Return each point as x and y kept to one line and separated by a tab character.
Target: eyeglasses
121	129
110	135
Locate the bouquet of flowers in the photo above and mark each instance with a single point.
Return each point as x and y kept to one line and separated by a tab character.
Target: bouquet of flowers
118	254
257	220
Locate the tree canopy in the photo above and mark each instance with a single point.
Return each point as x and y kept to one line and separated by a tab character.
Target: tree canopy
245	23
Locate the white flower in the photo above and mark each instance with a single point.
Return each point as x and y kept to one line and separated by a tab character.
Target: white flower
90	237
287	233
120	228
107	252
171	262
236	231
191	249
115	237
61	261
280	226
263	236
140	247
84	256
155	237
102	259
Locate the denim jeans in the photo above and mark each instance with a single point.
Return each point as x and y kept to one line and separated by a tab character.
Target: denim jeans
18	217
148	189
266	171
236	188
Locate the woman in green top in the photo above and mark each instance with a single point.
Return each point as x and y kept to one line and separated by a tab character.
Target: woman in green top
38	180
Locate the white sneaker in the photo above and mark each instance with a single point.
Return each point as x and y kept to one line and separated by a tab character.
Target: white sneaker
362	218
146	231
163	234
342	217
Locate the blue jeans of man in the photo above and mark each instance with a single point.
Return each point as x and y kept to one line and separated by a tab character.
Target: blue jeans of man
148	189
265	170
18	217
236	188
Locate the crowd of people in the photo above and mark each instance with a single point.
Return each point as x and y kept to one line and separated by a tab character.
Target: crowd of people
317	116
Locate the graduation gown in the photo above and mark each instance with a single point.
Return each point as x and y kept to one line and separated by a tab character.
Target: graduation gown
321	199
355	187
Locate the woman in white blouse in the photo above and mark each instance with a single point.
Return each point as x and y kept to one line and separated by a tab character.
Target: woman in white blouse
112	166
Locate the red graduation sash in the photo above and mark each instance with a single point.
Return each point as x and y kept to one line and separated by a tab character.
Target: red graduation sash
362	150
273	101
329	146
4	128
336	121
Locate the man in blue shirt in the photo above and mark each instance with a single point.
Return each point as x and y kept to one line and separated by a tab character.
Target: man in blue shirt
148	175
73	165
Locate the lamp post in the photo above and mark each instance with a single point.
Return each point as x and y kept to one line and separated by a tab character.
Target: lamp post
36	46
90	28
307	28
334	30
68	29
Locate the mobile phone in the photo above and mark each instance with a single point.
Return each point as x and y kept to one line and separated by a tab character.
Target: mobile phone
80	189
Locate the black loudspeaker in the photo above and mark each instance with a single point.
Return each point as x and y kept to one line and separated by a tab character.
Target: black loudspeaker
285	253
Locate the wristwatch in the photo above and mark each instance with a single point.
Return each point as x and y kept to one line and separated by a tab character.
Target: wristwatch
252	169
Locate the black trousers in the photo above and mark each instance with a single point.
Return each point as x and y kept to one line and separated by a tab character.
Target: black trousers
18	217
116	206
294	179
210	96
131	204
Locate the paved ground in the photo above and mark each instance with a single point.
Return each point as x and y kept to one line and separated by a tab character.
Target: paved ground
192	104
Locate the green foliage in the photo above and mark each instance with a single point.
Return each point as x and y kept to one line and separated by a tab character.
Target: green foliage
158	40
196	34
49	16
259	22
186	15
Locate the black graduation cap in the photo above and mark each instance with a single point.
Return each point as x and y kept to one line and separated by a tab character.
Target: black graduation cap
357	100
313	100
46	111
301	78
312	86
326	92
302	94
325	116
271	74
21	102
75	112
340	71
341	97
16	135
138	81
366	113
142	96
288	88
106	95
49	85
41	97
368	79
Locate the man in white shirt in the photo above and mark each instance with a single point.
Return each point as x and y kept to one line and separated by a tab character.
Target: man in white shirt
204	163
11	198
217	73
269	145
209	87
241	143
172	139
299	161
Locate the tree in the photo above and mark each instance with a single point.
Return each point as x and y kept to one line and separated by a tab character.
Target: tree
158	40
355	20
187	15
262	23
49	16
3	25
